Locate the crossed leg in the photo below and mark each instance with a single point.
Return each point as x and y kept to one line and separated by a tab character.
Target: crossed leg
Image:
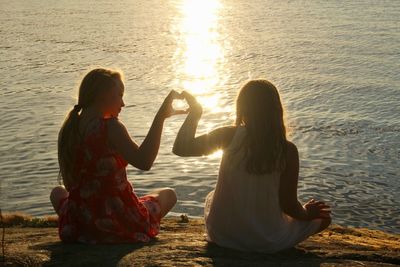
59	192
167	198
324	224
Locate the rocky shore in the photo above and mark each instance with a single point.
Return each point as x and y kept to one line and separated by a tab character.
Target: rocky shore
33	241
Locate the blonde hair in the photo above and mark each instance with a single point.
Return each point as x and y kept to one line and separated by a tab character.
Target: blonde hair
259	108
94	82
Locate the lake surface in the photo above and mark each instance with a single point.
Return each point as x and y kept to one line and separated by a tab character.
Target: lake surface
336	64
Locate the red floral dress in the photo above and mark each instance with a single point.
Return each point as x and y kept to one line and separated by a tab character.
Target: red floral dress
103	207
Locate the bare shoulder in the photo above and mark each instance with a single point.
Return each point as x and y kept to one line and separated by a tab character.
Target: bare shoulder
225	134
291	148
115	126
114	123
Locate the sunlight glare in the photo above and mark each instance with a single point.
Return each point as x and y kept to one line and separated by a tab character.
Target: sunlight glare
200	52
216	154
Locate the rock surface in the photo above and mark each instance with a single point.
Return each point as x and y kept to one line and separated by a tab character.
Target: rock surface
181	242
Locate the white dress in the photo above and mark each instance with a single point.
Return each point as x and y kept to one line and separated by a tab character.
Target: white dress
243	211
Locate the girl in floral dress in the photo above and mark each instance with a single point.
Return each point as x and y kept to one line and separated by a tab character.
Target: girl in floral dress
97	204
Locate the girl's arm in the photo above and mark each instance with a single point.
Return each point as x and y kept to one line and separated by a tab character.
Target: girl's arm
288	191
143	156
186	144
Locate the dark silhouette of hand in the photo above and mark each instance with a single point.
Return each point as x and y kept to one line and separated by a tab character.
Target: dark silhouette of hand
317	209
194	106
166	110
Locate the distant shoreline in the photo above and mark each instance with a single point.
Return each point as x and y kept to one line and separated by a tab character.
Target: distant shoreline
34	241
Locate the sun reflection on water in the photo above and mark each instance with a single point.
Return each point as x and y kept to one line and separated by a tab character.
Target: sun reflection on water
199	54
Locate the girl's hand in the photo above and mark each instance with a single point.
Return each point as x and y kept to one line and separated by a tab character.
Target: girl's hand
166	110
194	106
317	209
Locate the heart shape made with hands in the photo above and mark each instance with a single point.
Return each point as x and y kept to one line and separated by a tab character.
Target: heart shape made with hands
180	104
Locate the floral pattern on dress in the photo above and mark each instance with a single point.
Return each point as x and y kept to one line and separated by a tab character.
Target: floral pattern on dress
103	207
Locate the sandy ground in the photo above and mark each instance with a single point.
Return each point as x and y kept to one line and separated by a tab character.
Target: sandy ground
182	243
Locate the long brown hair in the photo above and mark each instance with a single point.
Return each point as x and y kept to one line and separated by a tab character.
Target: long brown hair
94	82
259	109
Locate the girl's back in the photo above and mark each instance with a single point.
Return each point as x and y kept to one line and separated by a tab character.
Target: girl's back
243	212
254	206
97	203
102	207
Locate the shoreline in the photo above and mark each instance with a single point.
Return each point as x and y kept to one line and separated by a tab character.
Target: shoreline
33	241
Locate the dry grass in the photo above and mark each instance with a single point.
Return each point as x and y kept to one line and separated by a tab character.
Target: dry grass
20	219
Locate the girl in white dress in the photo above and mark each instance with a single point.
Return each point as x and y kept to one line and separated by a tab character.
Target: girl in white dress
254	206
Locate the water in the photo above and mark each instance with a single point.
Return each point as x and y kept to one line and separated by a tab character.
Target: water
336	64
